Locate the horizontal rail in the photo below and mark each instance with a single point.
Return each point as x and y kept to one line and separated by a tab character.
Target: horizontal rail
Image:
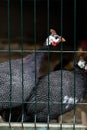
37	125
43	51
41	102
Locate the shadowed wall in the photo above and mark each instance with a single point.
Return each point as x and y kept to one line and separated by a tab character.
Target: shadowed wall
42	20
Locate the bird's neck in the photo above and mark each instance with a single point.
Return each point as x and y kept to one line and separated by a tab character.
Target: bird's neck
36	58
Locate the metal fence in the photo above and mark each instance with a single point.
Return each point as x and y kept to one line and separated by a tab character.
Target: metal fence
35	125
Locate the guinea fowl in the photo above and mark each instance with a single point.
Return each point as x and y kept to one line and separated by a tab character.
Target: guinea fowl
60	97
15	87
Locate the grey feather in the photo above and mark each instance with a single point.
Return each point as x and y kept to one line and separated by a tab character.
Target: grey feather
60	94
16	85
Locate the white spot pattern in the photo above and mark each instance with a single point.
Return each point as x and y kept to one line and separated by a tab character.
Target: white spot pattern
69	100
81	64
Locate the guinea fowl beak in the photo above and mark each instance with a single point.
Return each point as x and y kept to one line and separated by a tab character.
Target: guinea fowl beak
63	39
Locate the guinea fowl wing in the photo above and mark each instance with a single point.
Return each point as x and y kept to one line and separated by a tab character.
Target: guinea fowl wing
62	94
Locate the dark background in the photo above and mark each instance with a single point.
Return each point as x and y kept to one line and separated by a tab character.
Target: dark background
42	19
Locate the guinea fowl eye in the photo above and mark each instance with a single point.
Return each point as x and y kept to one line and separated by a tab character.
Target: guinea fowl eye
56	37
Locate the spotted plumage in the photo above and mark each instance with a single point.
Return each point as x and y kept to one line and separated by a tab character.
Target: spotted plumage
65	89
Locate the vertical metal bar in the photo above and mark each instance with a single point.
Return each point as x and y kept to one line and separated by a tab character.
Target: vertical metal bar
74	62
9	52
35	63
48	28
61	59
21	14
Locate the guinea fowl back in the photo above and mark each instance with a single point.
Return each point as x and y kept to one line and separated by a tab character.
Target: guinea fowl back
66	90
11	87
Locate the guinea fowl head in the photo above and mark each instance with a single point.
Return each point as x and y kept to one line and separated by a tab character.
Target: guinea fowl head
54	39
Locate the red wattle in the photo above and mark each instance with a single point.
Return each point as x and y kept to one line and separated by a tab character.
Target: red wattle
54	43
